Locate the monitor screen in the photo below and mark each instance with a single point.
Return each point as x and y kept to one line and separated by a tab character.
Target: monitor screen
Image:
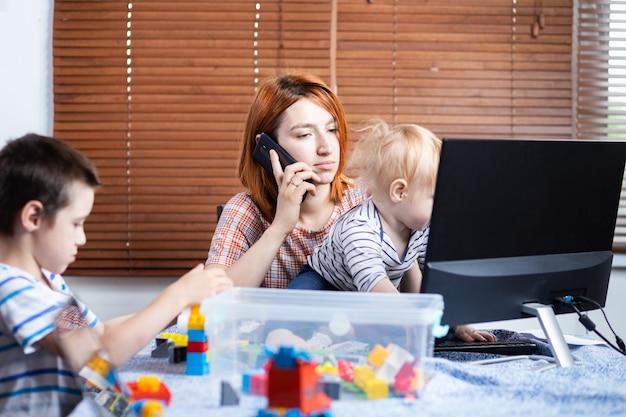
520	221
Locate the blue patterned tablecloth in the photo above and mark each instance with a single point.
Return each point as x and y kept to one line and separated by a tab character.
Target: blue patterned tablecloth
596	386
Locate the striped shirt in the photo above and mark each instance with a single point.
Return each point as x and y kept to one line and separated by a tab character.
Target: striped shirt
357	253
241	225
33	381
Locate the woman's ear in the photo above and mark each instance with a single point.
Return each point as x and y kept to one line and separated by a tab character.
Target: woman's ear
397	190
31	215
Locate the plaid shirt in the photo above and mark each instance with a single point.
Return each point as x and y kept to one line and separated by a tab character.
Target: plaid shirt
241	225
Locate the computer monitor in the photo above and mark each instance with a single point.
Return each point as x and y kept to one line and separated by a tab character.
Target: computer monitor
518	223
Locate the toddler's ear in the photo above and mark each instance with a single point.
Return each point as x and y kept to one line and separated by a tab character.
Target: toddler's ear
397	190
31	215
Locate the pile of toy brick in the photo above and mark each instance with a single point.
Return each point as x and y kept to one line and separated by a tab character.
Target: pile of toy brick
291	380
192	348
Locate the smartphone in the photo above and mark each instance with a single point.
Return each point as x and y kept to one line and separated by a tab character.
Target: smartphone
261	154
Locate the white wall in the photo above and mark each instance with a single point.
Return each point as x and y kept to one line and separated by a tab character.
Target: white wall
111	297
26	106
25	68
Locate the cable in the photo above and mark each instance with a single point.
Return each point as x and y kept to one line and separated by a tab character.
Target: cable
618	339
590	325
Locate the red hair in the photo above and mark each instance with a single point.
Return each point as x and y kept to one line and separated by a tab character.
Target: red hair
274	96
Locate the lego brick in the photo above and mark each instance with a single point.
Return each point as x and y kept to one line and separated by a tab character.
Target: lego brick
177	354
377	355
162	349
196	335
197	347
239	320
229	395
149	387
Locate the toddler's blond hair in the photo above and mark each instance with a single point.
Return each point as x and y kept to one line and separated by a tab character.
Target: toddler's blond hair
384	153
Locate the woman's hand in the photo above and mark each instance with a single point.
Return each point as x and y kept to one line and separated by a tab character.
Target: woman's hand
293	184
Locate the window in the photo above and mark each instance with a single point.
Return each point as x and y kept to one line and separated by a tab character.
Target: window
600	89
156	93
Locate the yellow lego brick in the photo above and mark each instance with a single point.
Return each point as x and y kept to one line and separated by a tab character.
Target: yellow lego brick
196	322
148	383
177	338
327	368
152	409
376	389
196	319
99	365
377	356
362	374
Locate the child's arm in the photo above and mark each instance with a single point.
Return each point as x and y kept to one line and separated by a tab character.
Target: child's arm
126	337
49	342
412	280
115	321
384	285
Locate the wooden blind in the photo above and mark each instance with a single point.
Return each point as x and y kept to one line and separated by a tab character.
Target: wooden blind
600	93
92	113
156	93
183	76
463	69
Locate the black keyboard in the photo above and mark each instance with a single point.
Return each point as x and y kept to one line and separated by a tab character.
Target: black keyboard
507	347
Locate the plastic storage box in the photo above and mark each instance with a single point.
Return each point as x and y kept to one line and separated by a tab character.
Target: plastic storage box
384	332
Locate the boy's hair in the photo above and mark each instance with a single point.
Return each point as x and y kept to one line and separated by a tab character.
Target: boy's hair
274	96
39	168
384	153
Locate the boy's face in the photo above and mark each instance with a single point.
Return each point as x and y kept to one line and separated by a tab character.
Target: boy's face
57	240
419	203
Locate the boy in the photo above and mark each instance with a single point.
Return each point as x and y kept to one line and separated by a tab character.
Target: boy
47	191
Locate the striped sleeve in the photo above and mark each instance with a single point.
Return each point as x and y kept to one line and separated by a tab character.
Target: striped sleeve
27	311
59	283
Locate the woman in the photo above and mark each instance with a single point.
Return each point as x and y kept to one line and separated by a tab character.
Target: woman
264	235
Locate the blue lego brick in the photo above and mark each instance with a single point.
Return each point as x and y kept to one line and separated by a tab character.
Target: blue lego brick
267	413
285	357
197	363
198	370
196	335
246	379
196	358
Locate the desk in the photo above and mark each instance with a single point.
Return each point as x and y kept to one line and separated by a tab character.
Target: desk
594	387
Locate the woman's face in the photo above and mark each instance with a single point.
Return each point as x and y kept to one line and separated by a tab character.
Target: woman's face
309	133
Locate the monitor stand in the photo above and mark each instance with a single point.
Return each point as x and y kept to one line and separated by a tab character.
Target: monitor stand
550	326
561	354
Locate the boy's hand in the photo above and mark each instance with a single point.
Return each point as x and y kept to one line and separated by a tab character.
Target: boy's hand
200	283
